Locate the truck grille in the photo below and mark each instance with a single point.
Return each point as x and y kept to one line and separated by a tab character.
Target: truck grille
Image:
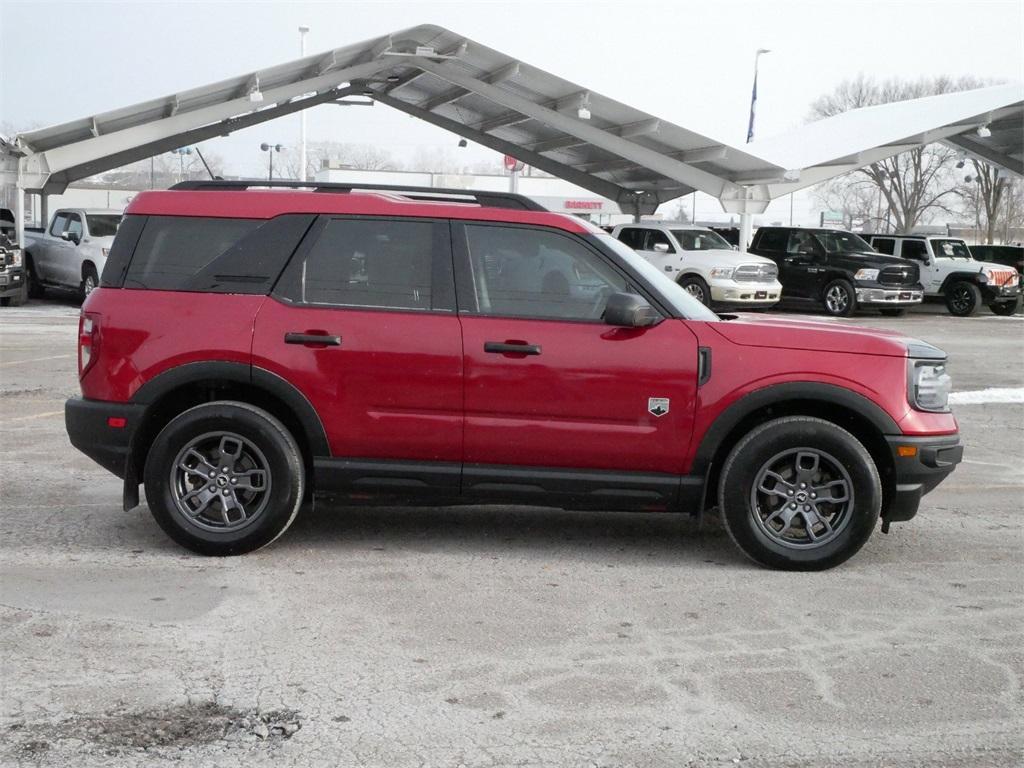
755	273
906	275
1002	277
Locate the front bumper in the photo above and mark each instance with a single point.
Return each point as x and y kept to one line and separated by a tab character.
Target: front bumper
997	294
89	426
12	280
920	464
889	297
744	293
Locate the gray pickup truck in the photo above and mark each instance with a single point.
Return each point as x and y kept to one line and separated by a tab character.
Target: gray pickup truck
71	252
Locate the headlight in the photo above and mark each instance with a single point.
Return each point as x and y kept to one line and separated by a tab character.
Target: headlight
16	257
866	274
929	385
725	273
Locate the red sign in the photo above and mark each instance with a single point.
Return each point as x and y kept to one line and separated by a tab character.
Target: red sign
584	205
511	164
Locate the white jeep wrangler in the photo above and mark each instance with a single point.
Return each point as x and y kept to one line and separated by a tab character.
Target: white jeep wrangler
949	271
703	263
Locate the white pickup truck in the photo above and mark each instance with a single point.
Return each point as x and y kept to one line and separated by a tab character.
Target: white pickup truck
704	264
71	252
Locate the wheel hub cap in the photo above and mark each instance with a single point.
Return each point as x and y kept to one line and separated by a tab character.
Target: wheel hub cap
802	498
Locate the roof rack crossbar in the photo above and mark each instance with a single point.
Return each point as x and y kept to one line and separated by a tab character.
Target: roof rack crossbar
438	194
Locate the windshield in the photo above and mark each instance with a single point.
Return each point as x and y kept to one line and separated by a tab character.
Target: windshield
671	291
102	224
950	249
842	242
700	240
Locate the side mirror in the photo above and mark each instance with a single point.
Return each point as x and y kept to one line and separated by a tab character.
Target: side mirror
630	311
65	235
661	248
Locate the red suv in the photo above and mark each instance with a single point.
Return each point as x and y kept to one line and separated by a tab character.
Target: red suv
249	346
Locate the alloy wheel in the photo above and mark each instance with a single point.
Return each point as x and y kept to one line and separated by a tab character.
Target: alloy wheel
836	299
802	498
695	290
961	298
220	481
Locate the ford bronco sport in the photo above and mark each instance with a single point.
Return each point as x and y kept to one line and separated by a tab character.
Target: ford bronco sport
249	347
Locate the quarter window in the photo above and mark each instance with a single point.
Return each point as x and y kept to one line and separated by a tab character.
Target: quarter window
772	240
364	263
521	272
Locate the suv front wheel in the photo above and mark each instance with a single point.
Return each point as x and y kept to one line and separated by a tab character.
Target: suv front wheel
224	478
799	493
963	298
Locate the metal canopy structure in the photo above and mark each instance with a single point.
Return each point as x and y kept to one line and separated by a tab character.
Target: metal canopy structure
600	144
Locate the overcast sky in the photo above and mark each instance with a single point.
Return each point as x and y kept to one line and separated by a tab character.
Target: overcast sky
689	62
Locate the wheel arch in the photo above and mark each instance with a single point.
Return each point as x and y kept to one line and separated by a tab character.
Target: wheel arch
88	262
864	419
180	388
956	277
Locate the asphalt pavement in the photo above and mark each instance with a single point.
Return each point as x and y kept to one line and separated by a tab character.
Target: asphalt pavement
496	636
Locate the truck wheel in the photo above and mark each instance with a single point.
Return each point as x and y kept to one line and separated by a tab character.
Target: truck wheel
799	493
90	281
1005	307
840	299
35	288
696	287
963	298
894	311
224	478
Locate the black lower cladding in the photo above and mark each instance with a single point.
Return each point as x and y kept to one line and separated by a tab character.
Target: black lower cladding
451	482
92	427
916	475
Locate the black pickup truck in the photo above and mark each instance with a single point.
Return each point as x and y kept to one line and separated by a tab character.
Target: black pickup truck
12	271
838	271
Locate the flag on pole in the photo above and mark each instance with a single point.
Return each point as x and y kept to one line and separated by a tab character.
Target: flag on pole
753	107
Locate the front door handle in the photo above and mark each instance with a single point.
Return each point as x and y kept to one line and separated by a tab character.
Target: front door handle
315	339
511	348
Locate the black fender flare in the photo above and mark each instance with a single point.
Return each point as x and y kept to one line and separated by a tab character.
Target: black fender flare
955	277
777	394
241	373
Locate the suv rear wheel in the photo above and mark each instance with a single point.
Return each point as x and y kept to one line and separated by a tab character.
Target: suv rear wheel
799	493
839	298
963	298
224	478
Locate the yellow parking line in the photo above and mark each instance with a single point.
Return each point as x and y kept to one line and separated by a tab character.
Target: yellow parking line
34	360
37	416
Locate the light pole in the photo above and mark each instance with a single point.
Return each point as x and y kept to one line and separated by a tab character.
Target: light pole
302	115
181	152
753	95
270	149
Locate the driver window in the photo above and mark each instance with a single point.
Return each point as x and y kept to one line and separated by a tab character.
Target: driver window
914	249
657	237
801	243
60	224
520	272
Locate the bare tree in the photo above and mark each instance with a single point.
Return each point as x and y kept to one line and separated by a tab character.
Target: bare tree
983	193
360	156
912	184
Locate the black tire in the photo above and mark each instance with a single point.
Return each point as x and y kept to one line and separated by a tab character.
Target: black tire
963	298
90	281
1005	308
35	288
839	299
696	287
263	443
17	299
894	311
750	513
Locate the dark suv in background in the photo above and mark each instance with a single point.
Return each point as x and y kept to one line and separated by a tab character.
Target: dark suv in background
838	271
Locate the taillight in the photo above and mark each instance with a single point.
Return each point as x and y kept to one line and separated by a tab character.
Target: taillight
88	341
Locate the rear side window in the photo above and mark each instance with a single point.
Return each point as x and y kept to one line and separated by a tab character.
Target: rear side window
379	263
772	239
631	237
884	245
102	224
174	248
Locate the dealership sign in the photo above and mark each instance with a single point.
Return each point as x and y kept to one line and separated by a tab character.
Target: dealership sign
584	205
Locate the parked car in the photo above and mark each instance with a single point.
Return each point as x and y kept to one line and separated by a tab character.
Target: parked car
1007	255
248	348
704	264
71	252
12	271
838	271
950	273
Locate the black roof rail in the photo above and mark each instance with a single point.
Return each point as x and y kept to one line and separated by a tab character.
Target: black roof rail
437	194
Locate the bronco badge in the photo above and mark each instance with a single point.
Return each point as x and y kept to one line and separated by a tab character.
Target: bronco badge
658	406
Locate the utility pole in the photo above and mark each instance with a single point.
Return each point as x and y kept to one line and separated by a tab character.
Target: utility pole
302	115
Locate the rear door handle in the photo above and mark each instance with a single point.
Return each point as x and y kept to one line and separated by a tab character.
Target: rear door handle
320	339
515	348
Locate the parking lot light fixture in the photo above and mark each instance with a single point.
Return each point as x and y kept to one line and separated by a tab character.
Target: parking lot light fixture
270	149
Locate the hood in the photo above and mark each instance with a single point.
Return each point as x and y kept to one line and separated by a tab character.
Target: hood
820	336
879	258
727	258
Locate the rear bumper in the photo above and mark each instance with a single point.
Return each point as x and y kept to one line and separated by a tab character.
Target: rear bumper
932	460
88	423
